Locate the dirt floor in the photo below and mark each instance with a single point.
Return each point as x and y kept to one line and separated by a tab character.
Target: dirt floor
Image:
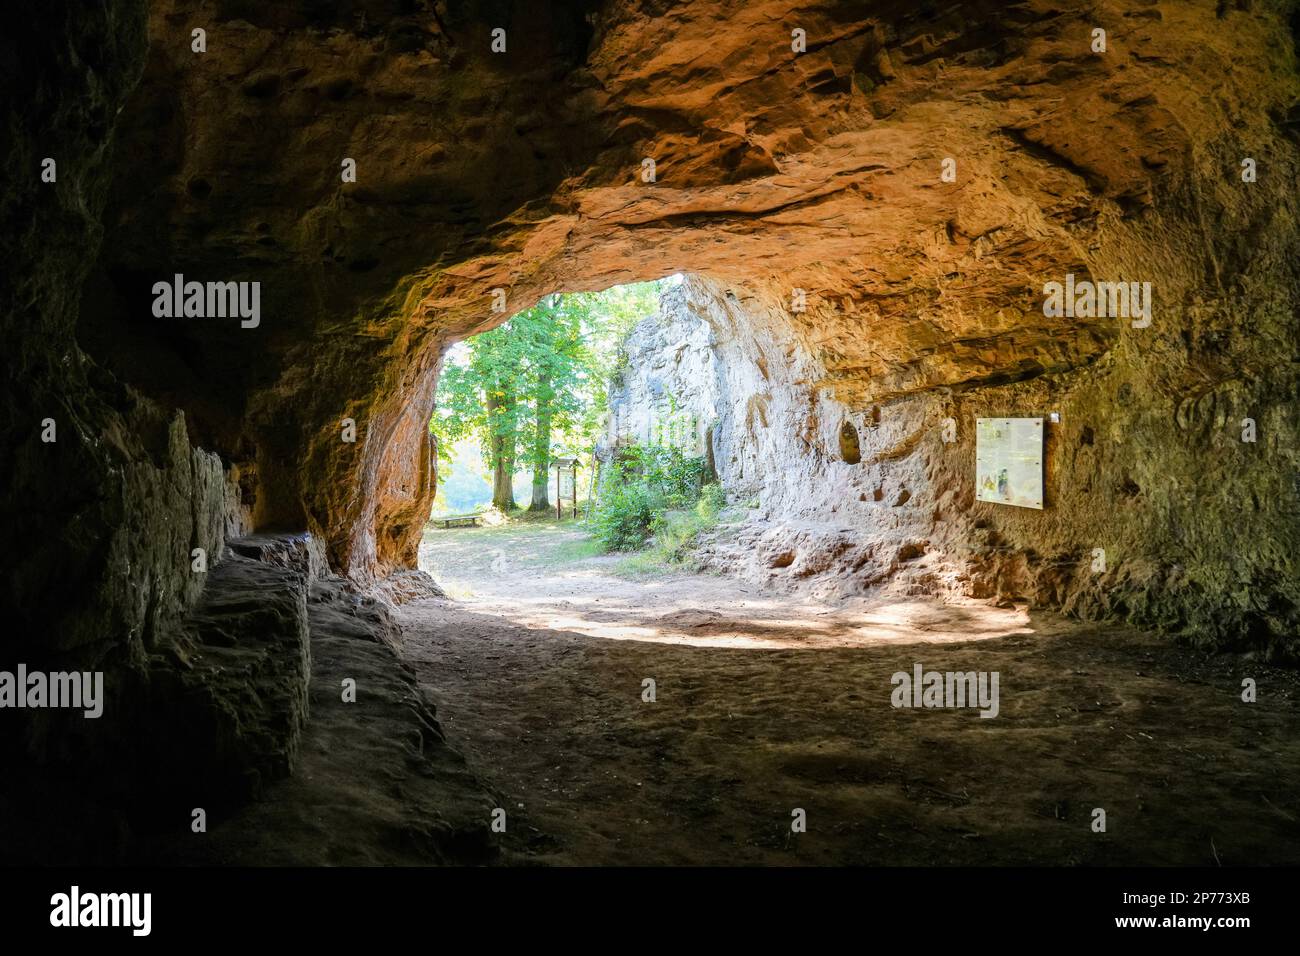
766	704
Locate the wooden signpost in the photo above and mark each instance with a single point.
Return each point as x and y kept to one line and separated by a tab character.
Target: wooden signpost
566	484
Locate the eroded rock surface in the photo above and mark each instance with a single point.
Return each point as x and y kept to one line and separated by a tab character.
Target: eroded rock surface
667	385
775	170
1199	548
376	783
211	717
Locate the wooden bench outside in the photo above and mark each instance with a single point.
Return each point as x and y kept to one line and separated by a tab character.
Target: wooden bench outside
460	521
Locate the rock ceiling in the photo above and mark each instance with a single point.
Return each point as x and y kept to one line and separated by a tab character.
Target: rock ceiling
523	170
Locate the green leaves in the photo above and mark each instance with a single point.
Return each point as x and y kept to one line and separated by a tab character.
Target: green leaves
646	482
537	381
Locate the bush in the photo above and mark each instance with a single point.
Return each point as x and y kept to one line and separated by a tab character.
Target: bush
669	471
712	500
622	519
644	483
675	531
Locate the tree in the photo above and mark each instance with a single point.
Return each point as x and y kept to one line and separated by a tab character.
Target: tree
502	412
537	378
479	395
554	362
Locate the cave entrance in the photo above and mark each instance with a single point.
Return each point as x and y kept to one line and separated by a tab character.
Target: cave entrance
578	378
676	410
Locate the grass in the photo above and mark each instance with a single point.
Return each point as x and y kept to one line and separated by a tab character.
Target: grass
569	552
642	564
536	541
518	542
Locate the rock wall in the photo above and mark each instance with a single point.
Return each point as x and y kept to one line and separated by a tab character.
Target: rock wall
117	520
821	169
666	386
105	497
1196	528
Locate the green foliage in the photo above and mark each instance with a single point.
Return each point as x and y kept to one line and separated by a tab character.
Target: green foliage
622	520
496	388
712	500
534	387
680	477
676	531
607	318
645	483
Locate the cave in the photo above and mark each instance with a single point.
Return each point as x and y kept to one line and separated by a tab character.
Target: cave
989	312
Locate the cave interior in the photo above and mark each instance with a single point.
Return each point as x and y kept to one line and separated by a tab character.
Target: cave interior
871	205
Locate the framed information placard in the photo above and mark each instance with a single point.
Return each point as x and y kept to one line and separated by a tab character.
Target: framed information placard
1009	461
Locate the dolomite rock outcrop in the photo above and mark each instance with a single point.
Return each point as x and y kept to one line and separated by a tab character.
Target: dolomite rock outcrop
1133	528
666	387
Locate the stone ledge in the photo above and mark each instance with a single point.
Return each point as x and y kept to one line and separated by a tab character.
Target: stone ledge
376	782
244	657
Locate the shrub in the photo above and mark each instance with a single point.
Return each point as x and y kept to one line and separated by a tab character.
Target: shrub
666	468
622	519
644	483
712	500
675	531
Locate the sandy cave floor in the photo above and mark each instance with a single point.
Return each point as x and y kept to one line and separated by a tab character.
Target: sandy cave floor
767	703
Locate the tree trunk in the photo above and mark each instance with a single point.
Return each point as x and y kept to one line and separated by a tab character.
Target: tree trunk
503	491
541	453
502	454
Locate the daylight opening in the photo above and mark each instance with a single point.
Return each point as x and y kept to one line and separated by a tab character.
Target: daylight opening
517	400
597	451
